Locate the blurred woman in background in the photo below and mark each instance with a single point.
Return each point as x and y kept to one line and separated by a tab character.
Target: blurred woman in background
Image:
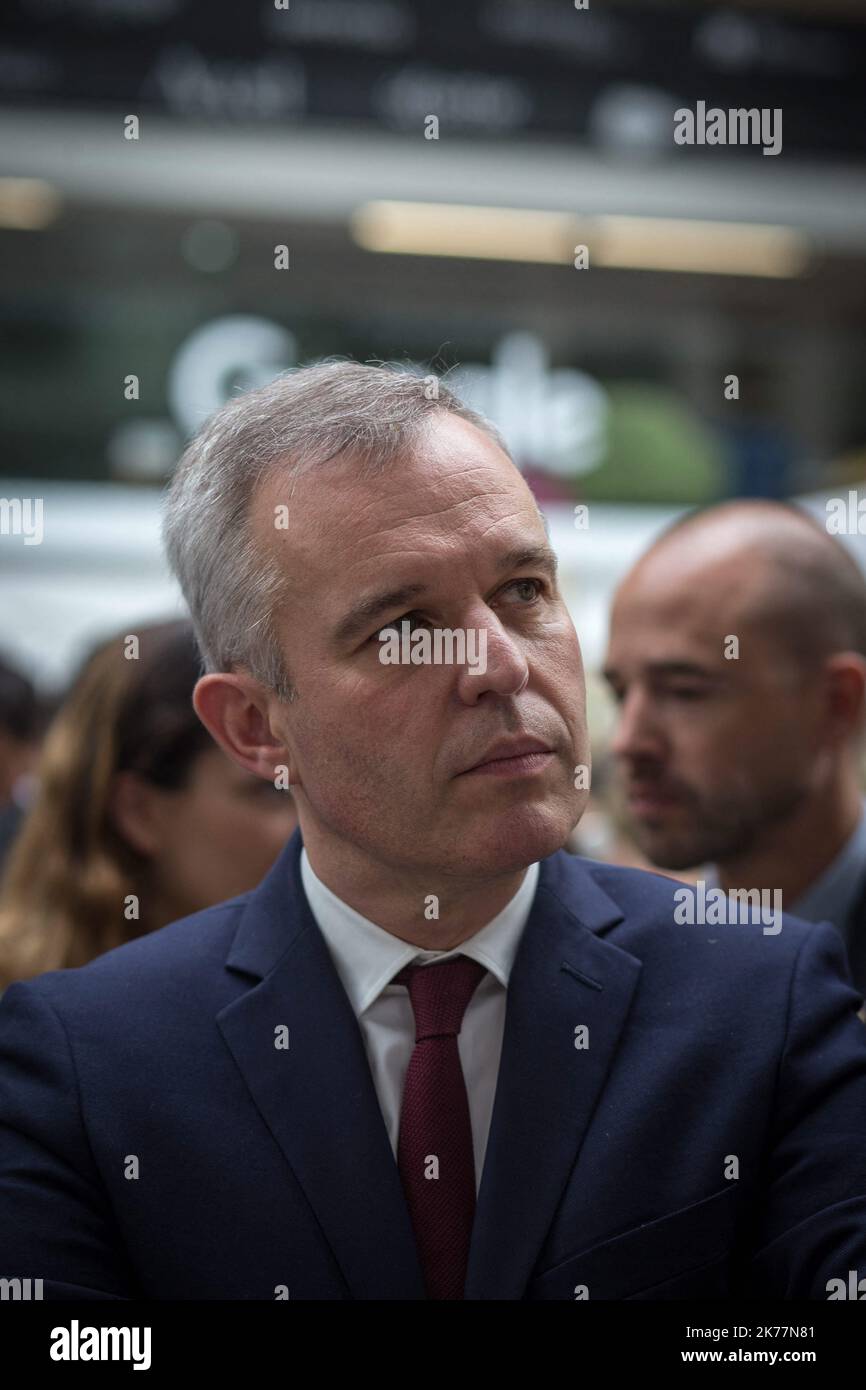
139	818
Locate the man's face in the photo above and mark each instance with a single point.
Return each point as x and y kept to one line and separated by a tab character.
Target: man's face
715	752
380	753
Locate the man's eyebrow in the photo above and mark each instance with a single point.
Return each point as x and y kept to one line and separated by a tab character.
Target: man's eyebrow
667	668
365	612
362	615
540	556
681	668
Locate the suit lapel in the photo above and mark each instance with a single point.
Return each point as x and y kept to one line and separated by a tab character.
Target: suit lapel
317	1097
564	977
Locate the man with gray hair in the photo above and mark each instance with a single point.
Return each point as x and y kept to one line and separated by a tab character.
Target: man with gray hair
432	1055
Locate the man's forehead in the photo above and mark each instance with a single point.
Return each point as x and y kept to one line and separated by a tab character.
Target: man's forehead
420	504
674	605
703	568
434	563
658	629
689	590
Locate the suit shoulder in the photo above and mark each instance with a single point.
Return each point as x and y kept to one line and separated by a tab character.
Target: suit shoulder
660	912
634	891
631	884
170	960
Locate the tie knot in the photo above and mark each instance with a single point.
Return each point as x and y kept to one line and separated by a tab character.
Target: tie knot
440	994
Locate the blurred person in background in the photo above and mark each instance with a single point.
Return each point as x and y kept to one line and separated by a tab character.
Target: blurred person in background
601	833
20	728
134	798
737	656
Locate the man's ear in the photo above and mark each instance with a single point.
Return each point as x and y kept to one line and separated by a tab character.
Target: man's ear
235	709
846	685
136	809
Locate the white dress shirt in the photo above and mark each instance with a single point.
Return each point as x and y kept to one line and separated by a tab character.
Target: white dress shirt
367	958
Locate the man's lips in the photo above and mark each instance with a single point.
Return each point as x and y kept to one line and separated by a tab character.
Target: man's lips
512	758
650	800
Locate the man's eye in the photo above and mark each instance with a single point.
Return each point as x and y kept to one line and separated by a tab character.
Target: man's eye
417	620
535	586
687	692
395	624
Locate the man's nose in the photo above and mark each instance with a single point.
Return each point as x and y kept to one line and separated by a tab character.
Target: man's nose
637	733
500	661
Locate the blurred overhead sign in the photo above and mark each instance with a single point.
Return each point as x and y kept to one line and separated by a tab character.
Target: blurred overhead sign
613	73
551	418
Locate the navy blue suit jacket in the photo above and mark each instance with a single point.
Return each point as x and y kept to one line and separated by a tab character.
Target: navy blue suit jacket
609	1169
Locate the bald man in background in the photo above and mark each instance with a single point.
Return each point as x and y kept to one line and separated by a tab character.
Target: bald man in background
737	657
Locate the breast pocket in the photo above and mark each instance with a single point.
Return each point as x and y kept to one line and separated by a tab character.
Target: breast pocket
684	1254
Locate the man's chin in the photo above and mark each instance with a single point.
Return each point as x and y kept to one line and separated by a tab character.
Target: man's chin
507	845
665	853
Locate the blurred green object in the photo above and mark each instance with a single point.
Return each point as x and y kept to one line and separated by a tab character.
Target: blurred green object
658	451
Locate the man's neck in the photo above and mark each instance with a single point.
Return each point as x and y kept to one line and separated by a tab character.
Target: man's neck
403	902
793	854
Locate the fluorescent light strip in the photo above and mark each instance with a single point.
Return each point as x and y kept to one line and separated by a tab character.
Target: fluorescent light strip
452	229
708	248
535	237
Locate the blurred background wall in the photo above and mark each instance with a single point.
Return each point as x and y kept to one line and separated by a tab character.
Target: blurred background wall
194	196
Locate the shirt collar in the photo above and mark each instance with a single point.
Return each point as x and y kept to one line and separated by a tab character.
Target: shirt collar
367	957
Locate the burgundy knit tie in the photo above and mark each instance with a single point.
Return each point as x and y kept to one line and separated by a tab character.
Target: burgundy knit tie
434	1148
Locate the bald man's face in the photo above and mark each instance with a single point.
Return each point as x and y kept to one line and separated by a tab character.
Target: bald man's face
718	730
381	754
